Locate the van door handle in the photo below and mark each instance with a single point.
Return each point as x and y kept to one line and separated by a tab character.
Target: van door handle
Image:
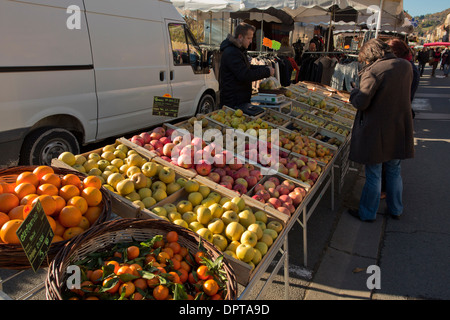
171	74
162	75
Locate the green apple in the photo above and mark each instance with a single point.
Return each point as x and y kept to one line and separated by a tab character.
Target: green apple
261	224
214	195
257	257
149	169
273	234
204	190
220	241
216	210
160	211
261	216
181	181
159	194
254	227
184	206
102	164
189	217
223	200
195	198
249	237
275	225
133	196
148	202
205	233
170	207
167	175
181	223
145	192
216	226
262	247
245	252
240	203
231	254
246	218
94	156
172	187
195	225
230	216
233	245
229	205
234	231
191	186
139	203
203	215
267	239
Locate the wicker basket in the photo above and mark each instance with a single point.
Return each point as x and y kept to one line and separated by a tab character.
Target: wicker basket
106	235
12	256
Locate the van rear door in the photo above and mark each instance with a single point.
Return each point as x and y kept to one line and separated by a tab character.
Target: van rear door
187	79
130	63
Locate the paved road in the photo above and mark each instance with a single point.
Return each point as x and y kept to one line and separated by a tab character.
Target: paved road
412	254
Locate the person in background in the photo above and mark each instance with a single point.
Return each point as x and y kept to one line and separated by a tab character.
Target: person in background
423	59
383	127
436	56
236	74
446	62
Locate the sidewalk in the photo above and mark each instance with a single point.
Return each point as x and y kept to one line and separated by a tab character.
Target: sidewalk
413	252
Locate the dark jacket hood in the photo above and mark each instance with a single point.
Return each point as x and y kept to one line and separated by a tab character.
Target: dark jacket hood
229	41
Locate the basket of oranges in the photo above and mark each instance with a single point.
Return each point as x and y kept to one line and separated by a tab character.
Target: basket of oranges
71	202
140	259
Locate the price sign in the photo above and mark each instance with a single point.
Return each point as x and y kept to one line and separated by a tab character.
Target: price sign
35	235
166	106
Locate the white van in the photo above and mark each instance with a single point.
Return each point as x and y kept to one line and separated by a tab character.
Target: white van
74	72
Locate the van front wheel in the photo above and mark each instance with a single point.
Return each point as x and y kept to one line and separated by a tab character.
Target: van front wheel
44	144
206	105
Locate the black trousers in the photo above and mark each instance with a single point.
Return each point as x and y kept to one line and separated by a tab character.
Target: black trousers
421	68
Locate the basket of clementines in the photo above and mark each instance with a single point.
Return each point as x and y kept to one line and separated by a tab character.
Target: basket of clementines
72	203
140	259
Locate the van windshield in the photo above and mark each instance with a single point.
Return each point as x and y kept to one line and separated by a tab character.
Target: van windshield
184	49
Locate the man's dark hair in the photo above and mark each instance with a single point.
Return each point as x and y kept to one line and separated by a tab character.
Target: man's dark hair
242	29
373	50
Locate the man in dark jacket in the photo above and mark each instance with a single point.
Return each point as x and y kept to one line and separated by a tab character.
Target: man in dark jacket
383	127
236	73
423	58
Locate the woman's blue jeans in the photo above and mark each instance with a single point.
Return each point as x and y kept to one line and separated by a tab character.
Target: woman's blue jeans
370	196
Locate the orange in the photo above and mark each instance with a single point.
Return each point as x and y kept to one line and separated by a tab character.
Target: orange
92	195
172	236
176	264
59	230
8	201
160	292
27	176
71	179
1	189
69	191
26	210
40	171
92	181
72	232
116	265
162	257
7	187
183	251
91	298
70	216
127	288
202	272
57	238
78	202
60	203
124	270
153	282
92	214
108	282
17	213
28	198
198	257
51	178
210	287
48	189
23	189
184	265
4	218
96	276
8	231
132	252
183	275
174	277
52	223
149	258
84	223
169	251
47	202
136	268
175	246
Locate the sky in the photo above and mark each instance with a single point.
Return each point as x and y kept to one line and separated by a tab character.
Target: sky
422	7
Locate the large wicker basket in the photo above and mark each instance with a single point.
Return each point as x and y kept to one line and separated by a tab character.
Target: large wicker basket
12	256
107	234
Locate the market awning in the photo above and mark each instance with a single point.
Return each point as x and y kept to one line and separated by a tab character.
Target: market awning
437	44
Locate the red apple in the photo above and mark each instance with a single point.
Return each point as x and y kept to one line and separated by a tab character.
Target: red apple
146	137
300	190
149	147
314	176
251	180
276	203
258	187
169	133
167	149
214	176
304	175
284	210
185	161
284	198
256	173
227	179
203	167
296	198
220	171
293	172
156	144
219	160
155	135
241	181
165	140
258	198
275	180
240	188
160	130
236	164
282	189
227	185
166	158
289	184
312	164
264	194
273	192
290	165
269	184
137	139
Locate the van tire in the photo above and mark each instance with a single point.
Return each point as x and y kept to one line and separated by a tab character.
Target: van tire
206	105
44	144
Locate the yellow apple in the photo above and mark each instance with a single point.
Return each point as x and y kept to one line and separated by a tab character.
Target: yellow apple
275	225
191	186
262	247
170	207
216	210
195	198
234	231
249	237
159	194
184	206
148	202
160	211
205	233
181	223
220	241
203	215
145	193
172	188
246	218
257	257
189	216
245	252
232	246
167	175
195	225
230	206
125	186
216	225
240	202
204	190
254	227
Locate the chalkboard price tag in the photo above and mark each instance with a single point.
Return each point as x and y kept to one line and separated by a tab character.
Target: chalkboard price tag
35	235
166	106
